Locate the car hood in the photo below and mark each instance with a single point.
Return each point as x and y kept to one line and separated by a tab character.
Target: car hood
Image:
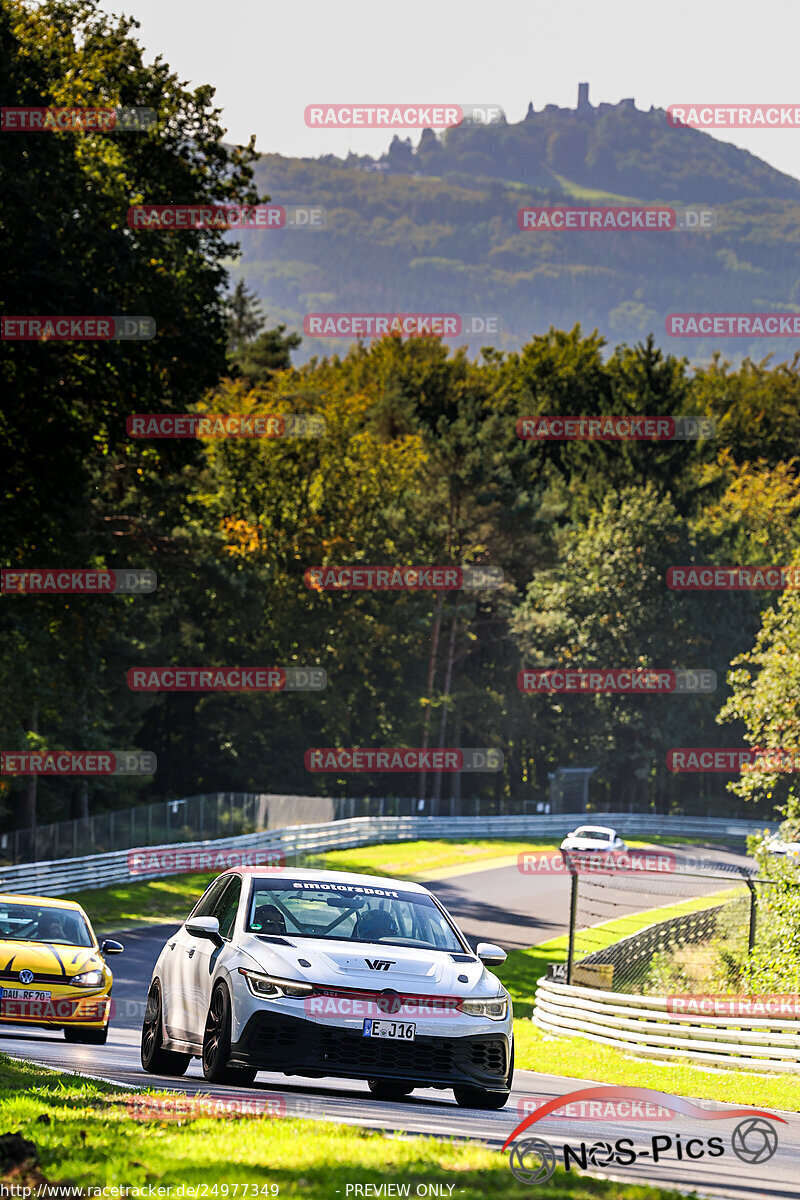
50	959
335	963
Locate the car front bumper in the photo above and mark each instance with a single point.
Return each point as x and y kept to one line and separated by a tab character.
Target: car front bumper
274	1041
67	1007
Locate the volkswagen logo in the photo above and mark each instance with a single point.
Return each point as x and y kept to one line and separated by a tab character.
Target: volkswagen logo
754	1140
532	1161
389	1001
26	976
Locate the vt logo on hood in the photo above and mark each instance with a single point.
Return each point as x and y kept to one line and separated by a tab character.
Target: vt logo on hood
379	964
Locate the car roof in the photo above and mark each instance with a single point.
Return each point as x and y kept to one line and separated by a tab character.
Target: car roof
44	901
329	877
595	828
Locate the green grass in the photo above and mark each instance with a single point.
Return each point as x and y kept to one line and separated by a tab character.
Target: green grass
579	192
411	860
580	1058
85	1135
129	904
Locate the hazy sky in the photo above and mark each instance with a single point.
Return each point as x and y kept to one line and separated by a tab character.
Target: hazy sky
267	61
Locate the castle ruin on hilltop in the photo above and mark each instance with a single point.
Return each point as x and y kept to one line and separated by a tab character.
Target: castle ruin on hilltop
584	107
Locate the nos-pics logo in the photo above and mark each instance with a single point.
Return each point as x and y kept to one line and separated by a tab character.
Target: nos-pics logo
533	1160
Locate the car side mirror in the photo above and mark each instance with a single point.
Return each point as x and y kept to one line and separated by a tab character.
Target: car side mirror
490	955
109	946
205	927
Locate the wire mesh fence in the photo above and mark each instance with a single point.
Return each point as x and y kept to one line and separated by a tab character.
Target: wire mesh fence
650	922
224	814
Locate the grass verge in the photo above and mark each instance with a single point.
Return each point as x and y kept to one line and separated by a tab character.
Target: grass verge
85	1135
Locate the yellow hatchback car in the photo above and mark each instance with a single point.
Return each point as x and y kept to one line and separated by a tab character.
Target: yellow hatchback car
53	973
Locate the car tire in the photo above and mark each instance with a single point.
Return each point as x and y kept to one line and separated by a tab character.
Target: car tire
217	1043
155	1059
473	1097
87	1037
389	1089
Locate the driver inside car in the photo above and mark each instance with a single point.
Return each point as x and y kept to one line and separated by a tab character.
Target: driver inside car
269	919
374	925
51	928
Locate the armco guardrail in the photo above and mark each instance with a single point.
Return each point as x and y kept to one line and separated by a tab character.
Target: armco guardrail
642	1026
62	876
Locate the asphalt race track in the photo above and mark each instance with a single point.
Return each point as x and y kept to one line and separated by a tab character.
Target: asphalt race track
500	905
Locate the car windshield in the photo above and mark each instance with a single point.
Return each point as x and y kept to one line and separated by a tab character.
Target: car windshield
43	923
306	909
591	831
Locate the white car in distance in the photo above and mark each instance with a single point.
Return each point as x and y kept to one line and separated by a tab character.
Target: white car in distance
778	846
328	973
594	839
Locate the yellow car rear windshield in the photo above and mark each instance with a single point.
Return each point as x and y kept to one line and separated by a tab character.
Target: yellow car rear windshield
34	923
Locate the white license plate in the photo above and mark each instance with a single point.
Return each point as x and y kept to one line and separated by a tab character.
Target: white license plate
20	994
404	1030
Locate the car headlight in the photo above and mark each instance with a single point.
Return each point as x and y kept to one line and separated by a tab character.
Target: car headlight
268	987
89	979
495	1008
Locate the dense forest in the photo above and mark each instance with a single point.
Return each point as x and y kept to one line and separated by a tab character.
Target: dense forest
420	463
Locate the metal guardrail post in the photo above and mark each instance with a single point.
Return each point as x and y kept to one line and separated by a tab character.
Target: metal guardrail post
573	909
751	936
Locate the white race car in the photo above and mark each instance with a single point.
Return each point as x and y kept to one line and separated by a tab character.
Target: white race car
594	838
777	845
321	973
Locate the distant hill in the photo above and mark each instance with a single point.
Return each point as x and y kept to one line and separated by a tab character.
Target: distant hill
434	228
612	148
